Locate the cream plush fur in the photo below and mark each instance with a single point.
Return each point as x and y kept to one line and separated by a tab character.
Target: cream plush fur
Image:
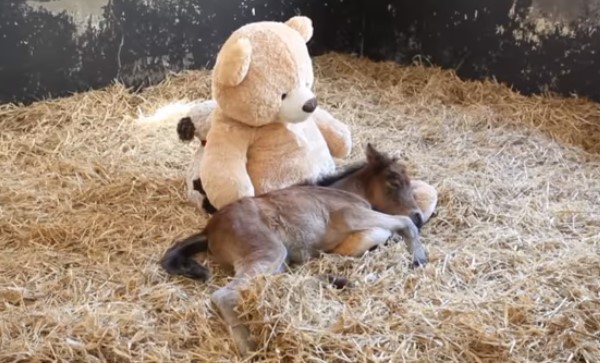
266	131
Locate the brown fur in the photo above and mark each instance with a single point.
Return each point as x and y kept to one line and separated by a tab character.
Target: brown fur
264	233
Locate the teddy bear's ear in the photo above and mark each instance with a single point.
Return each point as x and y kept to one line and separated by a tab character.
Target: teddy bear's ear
302	25
233	62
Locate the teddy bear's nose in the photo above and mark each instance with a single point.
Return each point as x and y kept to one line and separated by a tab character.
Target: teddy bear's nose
310	105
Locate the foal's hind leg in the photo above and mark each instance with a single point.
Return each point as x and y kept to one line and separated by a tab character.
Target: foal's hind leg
348	220
262	261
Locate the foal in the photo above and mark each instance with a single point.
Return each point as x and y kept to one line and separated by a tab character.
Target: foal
259	235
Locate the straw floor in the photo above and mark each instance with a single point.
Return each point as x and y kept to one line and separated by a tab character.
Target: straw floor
89	201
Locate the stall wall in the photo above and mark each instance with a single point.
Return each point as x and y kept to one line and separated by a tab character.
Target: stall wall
534	45
51	48
55	47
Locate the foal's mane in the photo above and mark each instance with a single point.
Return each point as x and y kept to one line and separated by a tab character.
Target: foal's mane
377	163
328	180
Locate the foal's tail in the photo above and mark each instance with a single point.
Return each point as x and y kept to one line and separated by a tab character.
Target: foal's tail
179	258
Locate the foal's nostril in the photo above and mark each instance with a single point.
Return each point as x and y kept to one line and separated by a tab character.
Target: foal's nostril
417	219
310	105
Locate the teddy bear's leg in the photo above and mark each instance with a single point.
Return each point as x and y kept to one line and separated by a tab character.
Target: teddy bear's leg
426	197
206	204
194	190
197	123
200	117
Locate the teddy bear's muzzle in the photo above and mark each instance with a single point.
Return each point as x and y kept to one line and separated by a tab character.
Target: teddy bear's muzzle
297	105
310	106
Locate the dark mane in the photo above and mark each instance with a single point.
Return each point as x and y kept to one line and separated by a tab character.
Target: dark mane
327	180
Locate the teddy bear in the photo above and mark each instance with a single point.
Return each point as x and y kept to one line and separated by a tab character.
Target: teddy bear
263	129
196	125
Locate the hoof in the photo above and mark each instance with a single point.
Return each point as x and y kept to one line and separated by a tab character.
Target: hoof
244	342
419	263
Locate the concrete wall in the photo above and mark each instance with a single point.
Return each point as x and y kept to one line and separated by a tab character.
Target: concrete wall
53	47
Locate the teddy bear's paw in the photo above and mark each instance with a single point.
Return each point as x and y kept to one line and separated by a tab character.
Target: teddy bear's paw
186	129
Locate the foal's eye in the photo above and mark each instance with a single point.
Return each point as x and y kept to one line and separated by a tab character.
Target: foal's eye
283	96
393	184
392	181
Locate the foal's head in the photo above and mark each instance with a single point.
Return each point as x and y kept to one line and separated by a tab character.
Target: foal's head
388	187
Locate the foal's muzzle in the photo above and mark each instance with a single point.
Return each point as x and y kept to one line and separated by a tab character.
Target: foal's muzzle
417	219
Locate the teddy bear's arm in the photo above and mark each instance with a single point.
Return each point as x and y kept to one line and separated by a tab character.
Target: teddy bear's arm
223	170
336	134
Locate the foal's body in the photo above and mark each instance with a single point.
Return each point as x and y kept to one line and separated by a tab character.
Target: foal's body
320	220
259	235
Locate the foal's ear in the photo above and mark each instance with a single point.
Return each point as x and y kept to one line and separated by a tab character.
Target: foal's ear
373	156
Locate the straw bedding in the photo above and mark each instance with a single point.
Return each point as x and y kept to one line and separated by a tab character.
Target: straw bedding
89	200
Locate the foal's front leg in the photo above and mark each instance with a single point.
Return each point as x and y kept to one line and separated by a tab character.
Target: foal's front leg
348	220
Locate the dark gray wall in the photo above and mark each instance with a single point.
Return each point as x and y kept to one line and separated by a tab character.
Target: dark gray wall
54	47
534	45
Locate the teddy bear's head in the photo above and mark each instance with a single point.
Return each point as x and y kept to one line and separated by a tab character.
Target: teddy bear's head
264	74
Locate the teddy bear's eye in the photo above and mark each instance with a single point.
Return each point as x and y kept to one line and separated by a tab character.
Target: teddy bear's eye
283	96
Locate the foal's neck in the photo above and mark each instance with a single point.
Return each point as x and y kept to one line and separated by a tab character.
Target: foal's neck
350	179
353	183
